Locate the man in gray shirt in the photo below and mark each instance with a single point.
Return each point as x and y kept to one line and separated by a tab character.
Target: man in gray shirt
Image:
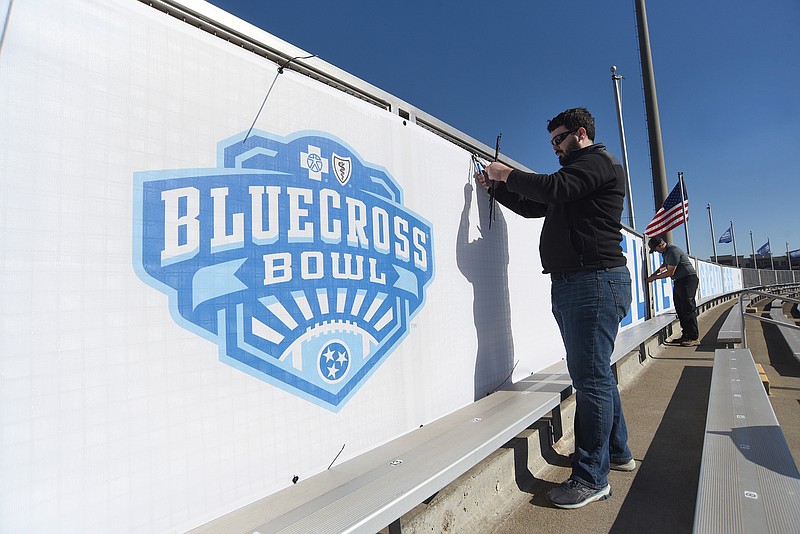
678	266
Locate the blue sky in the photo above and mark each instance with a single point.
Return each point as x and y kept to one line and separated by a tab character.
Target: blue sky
727	76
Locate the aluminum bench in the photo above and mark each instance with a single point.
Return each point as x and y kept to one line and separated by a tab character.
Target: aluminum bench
373	490
730	333
635	337
790	335
749	481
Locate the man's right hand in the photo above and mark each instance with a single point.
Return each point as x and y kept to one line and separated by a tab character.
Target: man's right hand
498	172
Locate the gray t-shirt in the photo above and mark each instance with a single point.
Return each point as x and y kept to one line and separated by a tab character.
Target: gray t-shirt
675	256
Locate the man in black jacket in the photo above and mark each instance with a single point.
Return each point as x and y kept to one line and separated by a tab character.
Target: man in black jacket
591	288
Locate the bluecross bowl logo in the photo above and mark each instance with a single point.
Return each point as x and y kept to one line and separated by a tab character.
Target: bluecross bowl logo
293	255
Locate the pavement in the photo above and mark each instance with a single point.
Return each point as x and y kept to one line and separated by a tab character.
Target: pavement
665	409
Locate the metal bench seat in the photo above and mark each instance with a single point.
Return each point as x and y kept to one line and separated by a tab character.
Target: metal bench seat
730	333
792	336
748	479
374	489
632	338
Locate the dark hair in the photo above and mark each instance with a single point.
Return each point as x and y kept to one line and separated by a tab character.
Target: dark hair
572	119
654	242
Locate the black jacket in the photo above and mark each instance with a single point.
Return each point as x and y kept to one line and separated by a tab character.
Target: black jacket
582	206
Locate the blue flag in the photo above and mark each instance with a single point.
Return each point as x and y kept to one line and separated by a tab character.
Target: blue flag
727	237
764	250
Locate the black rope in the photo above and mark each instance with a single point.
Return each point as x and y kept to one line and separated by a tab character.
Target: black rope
507	378
337	456
280	71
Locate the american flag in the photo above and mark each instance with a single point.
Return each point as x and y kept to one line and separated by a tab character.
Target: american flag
671	213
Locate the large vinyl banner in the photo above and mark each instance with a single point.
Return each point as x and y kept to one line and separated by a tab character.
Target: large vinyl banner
633	248
197	313
294	256
717	279
662	299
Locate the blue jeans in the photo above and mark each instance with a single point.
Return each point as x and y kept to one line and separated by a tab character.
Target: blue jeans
588	306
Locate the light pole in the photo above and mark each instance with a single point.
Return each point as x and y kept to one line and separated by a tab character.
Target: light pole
616	79
657	164
713	240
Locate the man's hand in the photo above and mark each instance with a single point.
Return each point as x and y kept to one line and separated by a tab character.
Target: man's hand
480	177
666	270
656	275
496	172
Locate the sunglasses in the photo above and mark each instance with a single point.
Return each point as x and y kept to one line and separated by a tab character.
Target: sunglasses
557	140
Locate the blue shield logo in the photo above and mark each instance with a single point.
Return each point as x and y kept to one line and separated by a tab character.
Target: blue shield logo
296	257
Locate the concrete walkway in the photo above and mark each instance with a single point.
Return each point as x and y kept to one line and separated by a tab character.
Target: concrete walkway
665	408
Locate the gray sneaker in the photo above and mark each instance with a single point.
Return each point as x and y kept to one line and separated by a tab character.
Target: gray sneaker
573	494
630	465
690	343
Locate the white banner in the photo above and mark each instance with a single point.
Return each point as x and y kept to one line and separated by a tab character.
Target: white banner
196	316
717	279
661	298
633	247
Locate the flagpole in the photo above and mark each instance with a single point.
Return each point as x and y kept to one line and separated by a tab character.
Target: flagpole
713	237
735	254
685	218
616	78
753	248
787	256
771	260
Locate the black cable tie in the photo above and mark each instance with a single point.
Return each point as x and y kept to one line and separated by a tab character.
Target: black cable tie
337	456
286	63
280	71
